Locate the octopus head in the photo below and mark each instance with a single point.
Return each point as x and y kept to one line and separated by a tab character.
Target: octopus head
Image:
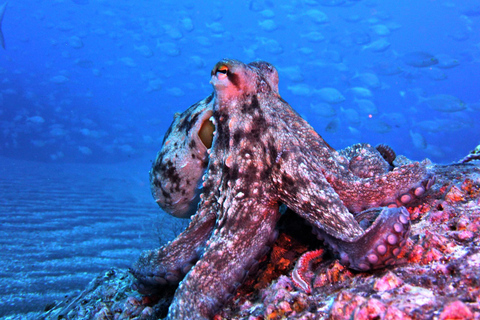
232	79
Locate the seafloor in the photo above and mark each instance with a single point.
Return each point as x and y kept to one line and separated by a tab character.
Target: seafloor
438	276
63	224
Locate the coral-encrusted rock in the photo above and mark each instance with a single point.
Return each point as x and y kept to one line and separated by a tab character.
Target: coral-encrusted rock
439	277
388	282
456	310
110	296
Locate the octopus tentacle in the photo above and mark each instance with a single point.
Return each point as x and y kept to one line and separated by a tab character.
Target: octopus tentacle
231	252
395	188
313	198
364	161
170	263
380	244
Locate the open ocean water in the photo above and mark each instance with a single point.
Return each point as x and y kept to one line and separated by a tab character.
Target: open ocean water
89	87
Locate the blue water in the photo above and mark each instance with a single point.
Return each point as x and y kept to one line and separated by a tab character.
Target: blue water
99	81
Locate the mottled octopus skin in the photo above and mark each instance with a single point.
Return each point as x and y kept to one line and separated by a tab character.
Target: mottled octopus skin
264	154
180	164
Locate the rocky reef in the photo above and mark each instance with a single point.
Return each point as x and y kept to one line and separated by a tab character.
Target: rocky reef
438	277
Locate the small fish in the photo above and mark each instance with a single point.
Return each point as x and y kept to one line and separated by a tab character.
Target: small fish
75	42
380	45
366	106
187	24
418	140
2	12
301	90
267	13
323	109
144	51
446	62
380	29
317	16
85	150
268	25
387	68
333	126
313	36
294	74
430	125
216	27
436	74
330	95
420	59
360	92
271	45
360	37
366	79
377	126
444	103
351	116
36	119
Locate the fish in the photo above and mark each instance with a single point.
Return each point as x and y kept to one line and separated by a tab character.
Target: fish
187	24
419	59
317	16
380	45
444	103
380	29
360	92
2	12
387	68
268	25
446	62
294	74
333	126
330	95
301	90
365	79
436	74
323	109
313	36
36	119
366	106
418	140
377	126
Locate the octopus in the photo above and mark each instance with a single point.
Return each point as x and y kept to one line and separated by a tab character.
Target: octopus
233	159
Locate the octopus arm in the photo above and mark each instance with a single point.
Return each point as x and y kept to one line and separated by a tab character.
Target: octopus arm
241	238
304	189
393	188
381	243
169	264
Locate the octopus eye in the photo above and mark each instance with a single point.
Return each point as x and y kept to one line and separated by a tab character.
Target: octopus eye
206	133
222	69
222	72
